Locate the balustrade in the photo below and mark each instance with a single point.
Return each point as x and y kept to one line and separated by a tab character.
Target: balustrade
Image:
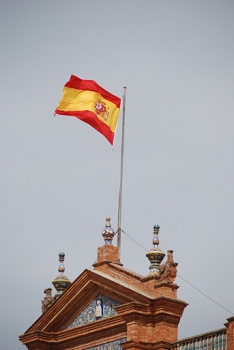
215	340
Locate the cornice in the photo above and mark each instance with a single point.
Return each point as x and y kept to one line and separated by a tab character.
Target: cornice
146	313
145	346
86	333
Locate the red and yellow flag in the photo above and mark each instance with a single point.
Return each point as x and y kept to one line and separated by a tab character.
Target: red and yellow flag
89	102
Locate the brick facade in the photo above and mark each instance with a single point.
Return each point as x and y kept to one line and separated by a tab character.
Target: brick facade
230	333
146	316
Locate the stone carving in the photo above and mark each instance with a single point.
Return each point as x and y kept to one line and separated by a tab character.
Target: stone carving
48	300
99	308
115	345
168	270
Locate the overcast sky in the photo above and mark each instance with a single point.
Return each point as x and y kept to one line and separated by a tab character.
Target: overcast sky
60	177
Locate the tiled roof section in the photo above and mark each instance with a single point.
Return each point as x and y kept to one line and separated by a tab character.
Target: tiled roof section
127	271
125	283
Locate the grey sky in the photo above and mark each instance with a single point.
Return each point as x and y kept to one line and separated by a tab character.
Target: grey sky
60	177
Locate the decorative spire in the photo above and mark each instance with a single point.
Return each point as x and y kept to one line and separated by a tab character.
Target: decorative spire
156	233
61	268
61	282
155	255
108	233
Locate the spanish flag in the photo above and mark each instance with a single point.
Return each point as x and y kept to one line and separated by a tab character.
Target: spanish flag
89	102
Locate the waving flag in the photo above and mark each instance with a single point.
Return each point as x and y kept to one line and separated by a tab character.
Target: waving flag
89	102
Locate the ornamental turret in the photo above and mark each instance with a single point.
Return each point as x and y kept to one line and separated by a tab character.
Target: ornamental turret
61	282
155	255
107	253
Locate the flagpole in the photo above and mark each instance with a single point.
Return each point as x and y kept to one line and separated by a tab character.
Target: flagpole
121	176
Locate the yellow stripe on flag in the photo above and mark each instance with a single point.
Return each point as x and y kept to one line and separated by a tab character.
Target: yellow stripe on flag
74	100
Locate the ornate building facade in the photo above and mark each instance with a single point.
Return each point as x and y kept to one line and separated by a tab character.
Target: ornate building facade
111	308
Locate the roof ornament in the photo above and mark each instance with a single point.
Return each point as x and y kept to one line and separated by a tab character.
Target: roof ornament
168	270
48	300
61	282
155	255
108	232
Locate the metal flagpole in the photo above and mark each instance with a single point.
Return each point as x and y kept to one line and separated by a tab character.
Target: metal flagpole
121	176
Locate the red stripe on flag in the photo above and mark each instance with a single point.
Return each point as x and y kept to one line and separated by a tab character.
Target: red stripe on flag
91	85
91	119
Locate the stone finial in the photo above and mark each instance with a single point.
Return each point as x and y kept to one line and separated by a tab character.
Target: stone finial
61	282
48	300
155	255
168	270
108	233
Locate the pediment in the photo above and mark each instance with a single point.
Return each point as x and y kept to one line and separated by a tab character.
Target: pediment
97	310
77	305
